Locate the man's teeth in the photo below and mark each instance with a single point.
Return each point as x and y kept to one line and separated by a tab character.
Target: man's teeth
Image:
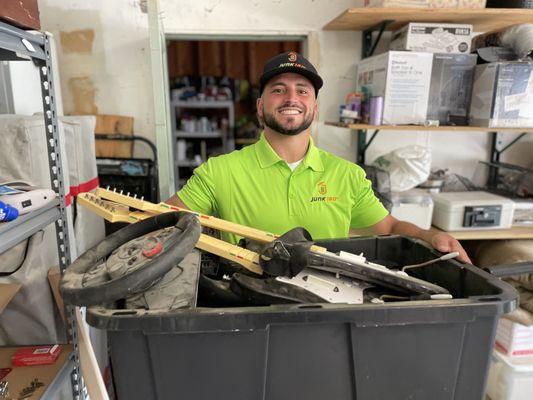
290	111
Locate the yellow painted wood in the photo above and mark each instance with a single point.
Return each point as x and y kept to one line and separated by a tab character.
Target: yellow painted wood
112	212
205	220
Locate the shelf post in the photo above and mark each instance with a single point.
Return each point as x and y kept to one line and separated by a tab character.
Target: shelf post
495	154
58	185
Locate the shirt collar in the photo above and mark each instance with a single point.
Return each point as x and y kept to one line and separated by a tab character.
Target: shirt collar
268	157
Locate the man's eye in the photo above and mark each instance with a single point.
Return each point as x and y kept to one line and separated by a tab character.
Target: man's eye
304	91
278	90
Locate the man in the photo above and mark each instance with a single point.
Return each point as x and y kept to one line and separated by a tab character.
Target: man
284	181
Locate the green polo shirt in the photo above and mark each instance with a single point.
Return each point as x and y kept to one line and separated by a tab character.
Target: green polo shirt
325	194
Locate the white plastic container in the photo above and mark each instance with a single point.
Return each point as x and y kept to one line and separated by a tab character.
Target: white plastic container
414	206
514	339
460	211
510	379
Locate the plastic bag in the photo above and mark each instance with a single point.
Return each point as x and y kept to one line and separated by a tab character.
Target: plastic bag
407	166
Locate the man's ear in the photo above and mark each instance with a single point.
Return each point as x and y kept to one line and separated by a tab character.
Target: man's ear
259	106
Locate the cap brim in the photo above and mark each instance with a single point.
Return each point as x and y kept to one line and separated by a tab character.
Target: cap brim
314	78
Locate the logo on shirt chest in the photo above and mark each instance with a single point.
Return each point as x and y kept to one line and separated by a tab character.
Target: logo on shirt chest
322	189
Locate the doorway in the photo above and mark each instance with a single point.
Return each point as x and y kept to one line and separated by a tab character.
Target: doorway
213	88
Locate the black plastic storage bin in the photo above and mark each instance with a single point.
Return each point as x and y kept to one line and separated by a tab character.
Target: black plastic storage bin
406	350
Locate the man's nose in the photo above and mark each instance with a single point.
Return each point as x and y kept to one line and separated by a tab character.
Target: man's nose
291	94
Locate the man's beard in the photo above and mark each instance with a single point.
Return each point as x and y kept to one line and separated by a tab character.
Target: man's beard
270	121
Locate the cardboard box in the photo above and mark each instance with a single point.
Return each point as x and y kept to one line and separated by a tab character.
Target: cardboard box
22	13
403	79
433	38
502	95
7	292
452	77
33	382
111	125
54	278
426	3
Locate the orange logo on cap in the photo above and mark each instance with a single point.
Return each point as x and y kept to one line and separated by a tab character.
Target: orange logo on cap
292	56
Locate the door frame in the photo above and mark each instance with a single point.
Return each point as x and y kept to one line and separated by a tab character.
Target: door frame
165	145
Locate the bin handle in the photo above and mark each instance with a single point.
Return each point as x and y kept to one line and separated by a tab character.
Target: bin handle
506	270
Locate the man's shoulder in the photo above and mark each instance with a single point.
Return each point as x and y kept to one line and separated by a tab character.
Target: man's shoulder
331	160
234	157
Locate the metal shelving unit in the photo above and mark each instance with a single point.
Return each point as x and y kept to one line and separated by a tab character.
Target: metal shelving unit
183	167
17	44
24	226
374	21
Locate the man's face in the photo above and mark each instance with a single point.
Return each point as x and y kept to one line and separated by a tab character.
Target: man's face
288	104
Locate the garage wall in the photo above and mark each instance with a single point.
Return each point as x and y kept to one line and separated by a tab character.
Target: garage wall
104	58
105	65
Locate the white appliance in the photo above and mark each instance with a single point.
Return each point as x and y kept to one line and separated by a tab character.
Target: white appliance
461	211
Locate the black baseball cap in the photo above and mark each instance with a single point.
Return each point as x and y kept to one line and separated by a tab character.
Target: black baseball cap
290	61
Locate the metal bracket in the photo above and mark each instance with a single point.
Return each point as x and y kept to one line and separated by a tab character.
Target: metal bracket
495	154
362	144
369	47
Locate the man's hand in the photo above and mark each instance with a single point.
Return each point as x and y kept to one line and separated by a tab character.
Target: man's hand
447	244
439	240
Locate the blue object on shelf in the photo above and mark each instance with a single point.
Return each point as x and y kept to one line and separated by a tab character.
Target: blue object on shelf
7	212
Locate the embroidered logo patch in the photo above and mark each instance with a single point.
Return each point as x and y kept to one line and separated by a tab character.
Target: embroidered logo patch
322	188
292	56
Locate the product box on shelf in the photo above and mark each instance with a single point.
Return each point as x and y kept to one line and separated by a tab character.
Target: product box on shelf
502	95
426	3
452	76
403	78
514	339
36	355
433	38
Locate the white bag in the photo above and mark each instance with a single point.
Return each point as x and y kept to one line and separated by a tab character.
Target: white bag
407	166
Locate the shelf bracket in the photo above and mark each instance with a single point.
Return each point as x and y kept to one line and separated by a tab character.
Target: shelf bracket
368	47
362	144
495	154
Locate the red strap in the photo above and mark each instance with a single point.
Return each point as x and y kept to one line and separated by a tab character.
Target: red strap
84	187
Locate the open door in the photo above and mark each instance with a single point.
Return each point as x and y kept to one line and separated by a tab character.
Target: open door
165	148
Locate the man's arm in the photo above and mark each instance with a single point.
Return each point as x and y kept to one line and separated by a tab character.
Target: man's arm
176	201
439	240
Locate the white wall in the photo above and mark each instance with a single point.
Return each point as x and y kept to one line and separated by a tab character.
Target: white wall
111	74
118	66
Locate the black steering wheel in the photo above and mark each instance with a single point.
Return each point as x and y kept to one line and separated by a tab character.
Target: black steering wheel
87	282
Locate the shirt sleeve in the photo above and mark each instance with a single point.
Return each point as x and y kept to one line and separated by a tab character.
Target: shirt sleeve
367	209
199	193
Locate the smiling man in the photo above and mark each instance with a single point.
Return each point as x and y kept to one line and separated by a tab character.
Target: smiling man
284	180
